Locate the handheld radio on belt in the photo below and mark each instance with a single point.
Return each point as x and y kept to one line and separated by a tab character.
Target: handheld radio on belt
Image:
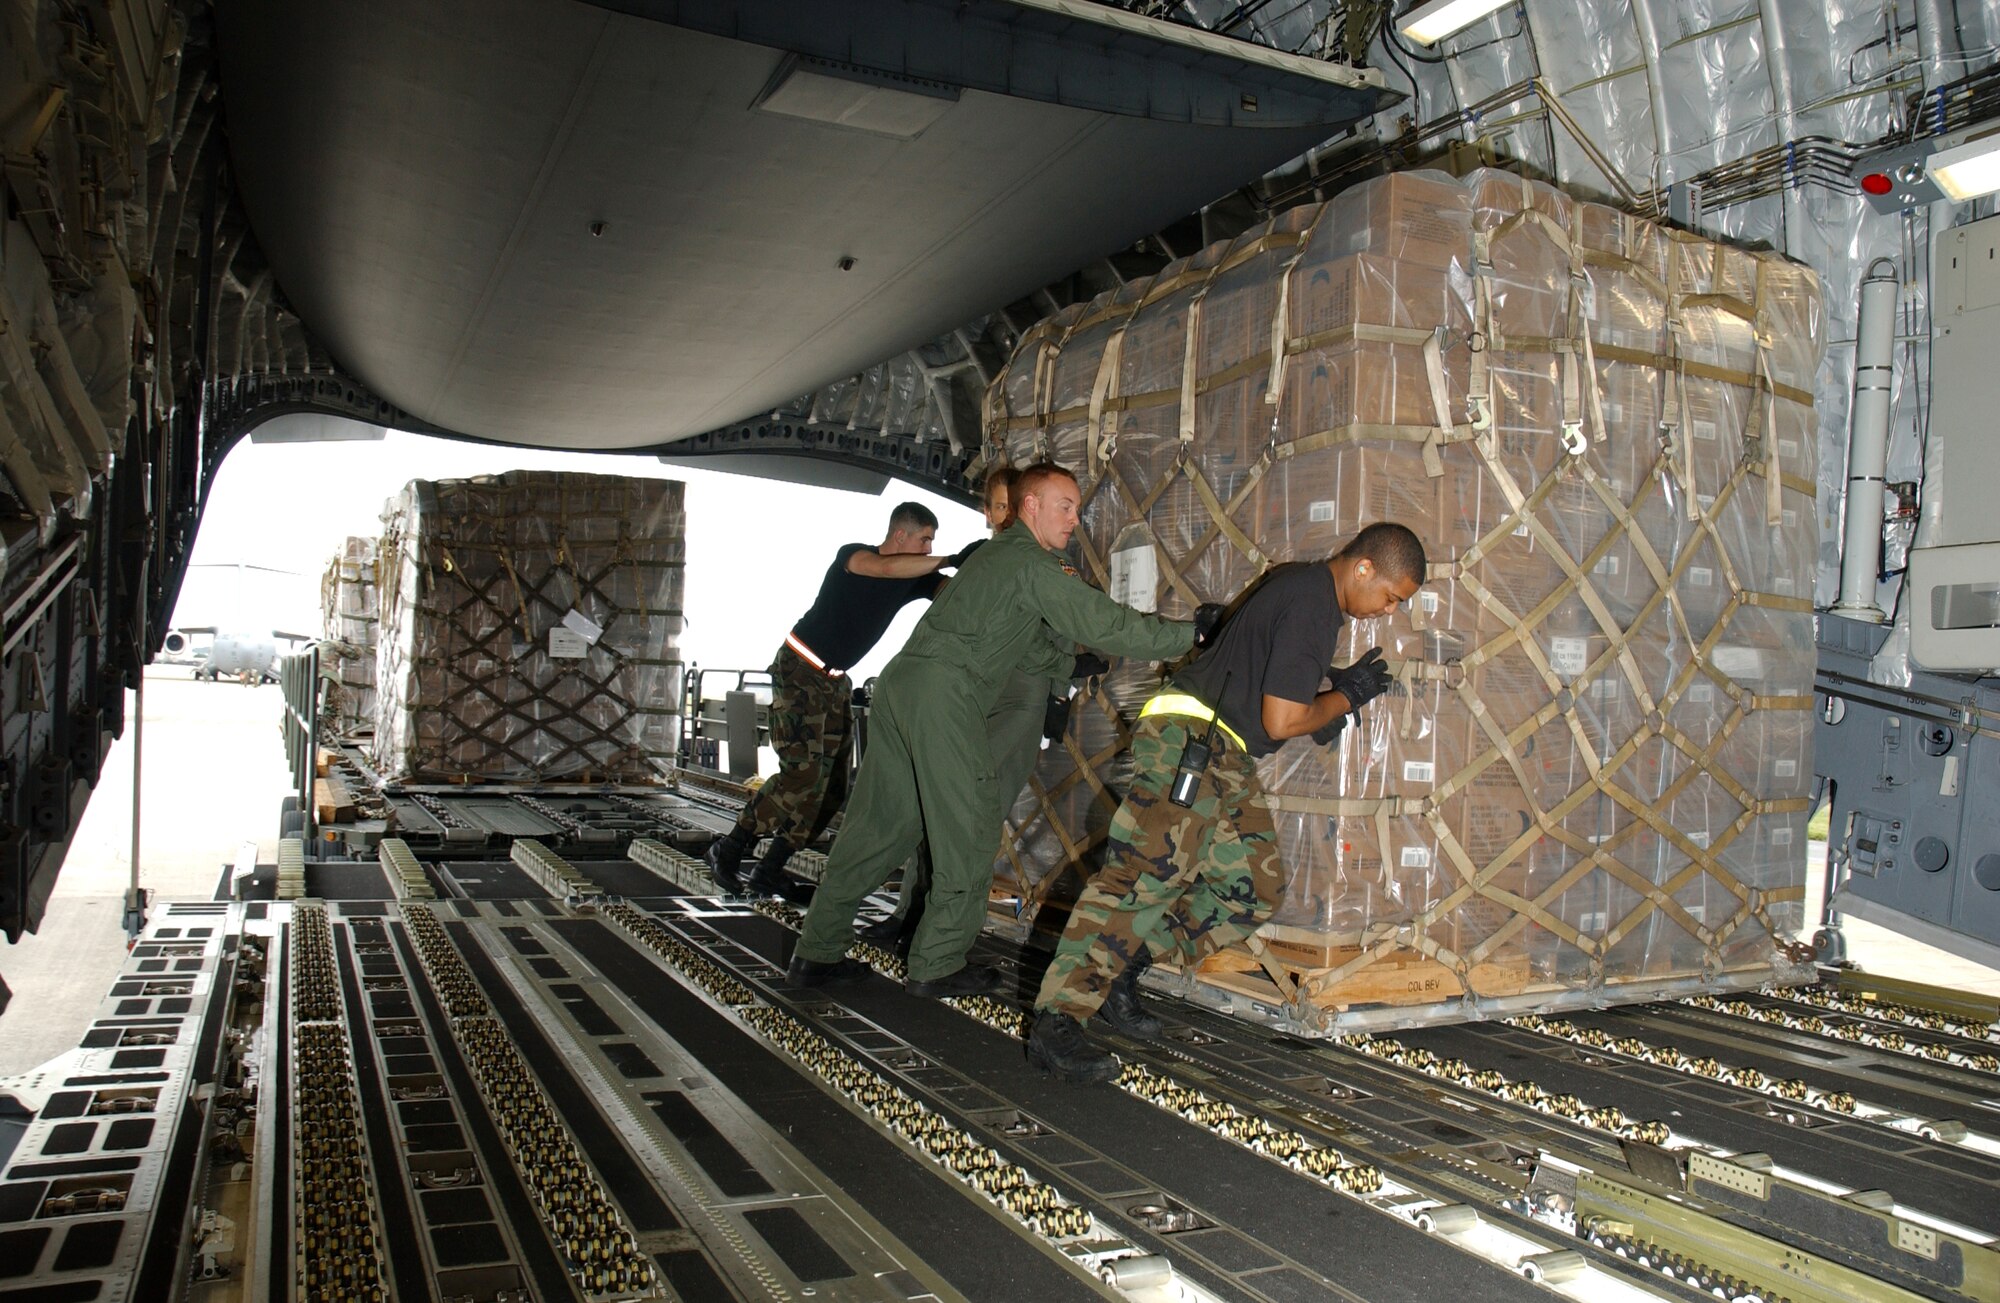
1194	759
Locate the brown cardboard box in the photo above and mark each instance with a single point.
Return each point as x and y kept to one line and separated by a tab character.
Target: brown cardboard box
1367	383
1329	293
1423	218
1626	311
1498	196
1634	239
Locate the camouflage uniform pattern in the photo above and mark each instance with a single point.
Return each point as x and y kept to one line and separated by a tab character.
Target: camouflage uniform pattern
811	730
1183	883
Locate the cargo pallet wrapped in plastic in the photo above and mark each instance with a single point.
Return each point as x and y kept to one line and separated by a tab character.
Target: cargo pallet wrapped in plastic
350	616
1592	783
530	630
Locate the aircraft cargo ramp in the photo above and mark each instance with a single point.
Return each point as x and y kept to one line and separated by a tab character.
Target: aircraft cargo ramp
492	1066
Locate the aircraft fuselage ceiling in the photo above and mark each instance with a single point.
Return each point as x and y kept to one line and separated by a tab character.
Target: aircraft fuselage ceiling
552	223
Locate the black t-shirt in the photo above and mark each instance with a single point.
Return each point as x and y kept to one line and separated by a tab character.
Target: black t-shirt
1278	644
852	611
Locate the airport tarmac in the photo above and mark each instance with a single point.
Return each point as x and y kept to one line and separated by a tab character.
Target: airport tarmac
213	775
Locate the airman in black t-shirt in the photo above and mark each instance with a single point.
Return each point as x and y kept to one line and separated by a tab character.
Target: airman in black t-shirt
811	704
1193	864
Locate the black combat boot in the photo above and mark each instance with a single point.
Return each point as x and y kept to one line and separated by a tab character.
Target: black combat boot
896	931
973	979
768	878
811	972
1057	1046
883	931
1121	1011
725	860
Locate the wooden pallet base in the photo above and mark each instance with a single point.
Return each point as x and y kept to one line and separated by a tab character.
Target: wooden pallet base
333	802
1399	978
1406	979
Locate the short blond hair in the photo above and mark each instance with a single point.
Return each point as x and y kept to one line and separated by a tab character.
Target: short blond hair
1033	477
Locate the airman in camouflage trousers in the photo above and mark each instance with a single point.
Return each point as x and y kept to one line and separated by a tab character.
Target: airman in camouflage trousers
1177	883
811	730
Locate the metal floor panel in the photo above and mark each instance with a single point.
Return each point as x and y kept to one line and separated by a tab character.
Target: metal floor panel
1847	1153
691	1081
1355	1253
502	815
976	1254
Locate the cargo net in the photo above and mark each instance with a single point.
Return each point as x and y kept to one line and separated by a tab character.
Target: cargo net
350	616
1593	782
530	627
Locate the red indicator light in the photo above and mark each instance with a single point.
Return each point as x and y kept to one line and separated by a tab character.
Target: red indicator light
1877	183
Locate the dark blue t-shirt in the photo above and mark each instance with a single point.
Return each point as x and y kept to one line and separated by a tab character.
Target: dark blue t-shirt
852	611
1279	643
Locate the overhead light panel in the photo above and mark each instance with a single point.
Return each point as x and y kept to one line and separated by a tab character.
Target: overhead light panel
1969	170
859	99
1433	20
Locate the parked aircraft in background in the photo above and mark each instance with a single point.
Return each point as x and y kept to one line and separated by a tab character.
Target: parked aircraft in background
228	653
234	637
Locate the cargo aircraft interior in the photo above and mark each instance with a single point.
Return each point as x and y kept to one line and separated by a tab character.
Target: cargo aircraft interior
1660	325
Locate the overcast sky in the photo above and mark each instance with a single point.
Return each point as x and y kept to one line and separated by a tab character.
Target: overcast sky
757	548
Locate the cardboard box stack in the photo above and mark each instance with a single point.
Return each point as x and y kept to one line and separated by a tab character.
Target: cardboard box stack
350	616
1592	783
530	629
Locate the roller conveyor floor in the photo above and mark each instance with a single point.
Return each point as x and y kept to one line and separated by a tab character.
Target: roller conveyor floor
583	1079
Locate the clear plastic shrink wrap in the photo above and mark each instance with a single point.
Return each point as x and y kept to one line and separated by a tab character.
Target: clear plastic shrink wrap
350	615
1592	784
530	629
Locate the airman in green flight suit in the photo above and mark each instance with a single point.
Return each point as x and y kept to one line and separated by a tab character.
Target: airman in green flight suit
929	768
1025	710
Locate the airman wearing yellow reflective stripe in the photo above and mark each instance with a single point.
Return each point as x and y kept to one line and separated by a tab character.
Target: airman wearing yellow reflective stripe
1193	863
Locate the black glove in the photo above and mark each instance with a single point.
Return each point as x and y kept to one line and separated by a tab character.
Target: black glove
960	557
1328	734
1207	619
1363	681
1089	665
1056	721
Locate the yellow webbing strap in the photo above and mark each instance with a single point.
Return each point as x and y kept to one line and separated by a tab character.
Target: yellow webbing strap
1180	703
1101	438
1189	357
1479	380
1281	315
1728	303
1759	417
1220	515
1440	404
